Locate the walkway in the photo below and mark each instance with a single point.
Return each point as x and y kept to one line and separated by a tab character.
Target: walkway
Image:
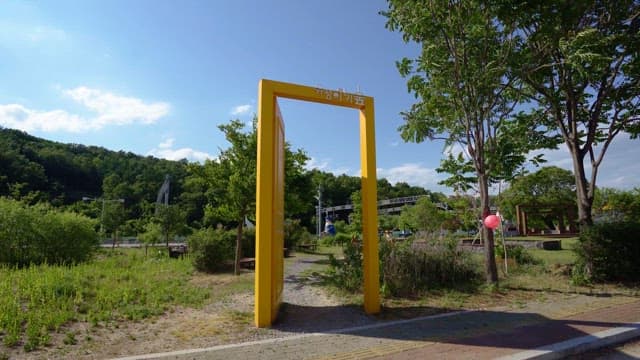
537	330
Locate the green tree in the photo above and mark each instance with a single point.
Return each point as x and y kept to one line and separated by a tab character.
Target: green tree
580	63
171	219
112	217
549	187
465	212
423	216
233	179
617	205
387	222
465	91
152	235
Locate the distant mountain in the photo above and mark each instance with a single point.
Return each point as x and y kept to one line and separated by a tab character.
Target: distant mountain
43	170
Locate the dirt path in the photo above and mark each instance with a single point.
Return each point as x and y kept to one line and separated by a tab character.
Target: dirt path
307	307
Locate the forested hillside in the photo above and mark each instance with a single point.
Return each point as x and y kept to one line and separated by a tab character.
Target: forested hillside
38	170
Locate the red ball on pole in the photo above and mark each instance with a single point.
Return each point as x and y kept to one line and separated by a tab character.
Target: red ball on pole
492	222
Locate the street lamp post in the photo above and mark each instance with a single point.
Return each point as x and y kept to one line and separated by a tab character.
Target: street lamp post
319	213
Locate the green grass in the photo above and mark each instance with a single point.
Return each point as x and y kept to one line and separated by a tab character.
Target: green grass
117	286
566	256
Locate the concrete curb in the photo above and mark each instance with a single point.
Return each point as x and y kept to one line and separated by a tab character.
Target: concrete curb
579	345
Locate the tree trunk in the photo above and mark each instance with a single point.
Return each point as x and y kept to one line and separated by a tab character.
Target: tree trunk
491	270
584	196
236	265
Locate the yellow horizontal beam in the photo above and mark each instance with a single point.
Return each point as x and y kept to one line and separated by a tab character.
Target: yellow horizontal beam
316	94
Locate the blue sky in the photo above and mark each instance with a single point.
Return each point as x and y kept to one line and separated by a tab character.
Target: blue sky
157	77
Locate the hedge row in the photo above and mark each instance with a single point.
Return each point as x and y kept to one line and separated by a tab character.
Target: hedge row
39	234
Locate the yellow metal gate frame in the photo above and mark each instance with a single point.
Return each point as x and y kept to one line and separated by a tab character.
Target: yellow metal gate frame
270	193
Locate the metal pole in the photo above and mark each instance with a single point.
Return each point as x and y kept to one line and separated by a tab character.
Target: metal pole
319	225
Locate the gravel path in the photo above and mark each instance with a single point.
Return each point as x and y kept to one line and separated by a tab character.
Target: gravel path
308	308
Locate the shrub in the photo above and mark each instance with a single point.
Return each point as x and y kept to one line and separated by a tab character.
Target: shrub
407	269
347	273
211	249
518	253
40	234
294	233
341	239
608	252
248	242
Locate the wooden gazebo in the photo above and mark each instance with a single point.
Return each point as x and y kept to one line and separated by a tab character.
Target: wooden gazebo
564	213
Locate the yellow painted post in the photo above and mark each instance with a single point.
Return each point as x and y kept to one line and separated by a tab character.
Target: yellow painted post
264	206
277	227
369	210
270	193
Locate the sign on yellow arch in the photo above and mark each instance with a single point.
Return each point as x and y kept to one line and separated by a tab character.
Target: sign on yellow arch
270	193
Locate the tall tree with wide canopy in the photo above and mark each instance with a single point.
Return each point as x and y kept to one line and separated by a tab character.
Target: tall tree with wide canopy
580	61
550	188
464	92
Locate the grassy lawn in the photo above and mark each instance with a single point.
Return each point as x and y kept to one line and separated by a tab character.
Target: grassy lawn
122	287
557	257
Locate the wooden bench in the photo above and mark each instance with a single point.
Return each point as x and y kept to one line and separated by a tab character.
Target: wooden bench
177	251
249	263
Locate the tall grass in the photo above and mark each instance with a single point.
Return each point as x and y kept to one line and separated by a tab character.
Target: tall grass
38	300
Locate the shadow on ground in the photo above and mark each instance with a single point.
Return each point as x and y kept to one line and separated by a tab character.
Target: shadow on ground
495	329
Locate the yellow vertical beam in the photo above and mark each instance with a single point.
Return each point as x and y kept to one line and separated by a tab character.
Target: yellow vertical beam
264	205
369	210
277	232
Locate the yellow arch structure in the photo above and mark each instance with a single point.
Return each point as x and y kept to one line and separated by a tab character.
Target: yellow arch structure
270	193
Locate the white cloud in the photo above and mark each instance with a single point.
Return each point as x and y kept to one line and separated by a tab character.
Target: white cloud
116	109
314	163
414	174
110	109
165	151
167	144
241	109
620	167
324	165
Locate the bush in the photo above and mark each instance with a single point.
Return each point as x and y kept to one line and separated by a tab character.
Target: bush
608	252
407	270
518	253
40	234
337	239
211	249
248	242
347	273
294	233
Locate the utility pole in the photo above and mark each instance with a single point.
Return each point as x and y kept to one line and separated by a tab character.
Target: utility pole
104	201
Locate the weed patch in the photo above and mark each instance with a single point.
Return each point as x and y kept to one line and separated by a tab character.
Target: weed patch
38	300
